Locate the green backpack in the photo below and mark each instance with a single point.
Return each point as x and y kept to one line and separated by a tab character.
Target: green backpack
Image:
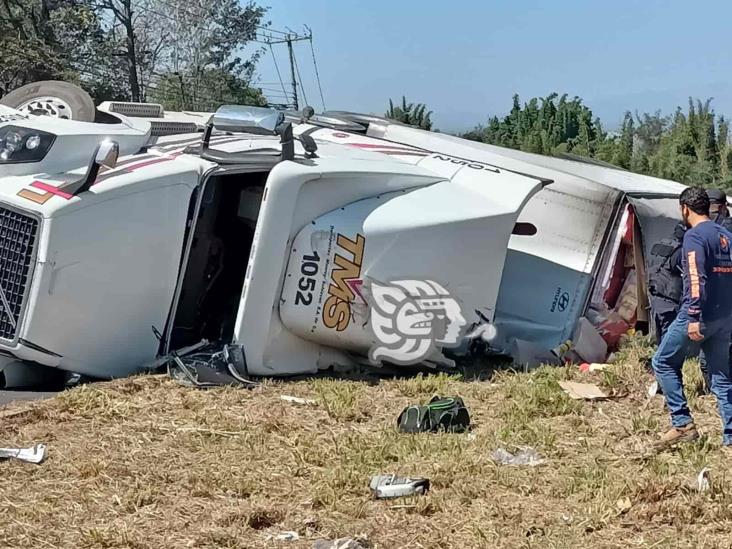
440	414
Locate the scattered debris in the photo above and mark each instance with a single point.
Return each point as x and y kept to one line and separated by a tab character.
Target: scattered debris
210	367
704	480
287	536
35	454
530	355
447	414
298	400
342	543
391	486
527	456
582	391
623	505
594	367
162	361
588	344
653	389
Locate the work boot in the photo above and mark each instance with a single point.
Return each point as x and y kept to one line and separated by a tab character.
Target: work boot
677	435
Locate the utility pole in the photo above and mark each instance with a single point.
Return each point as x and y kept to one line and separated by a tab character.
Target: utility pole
289	39
292	70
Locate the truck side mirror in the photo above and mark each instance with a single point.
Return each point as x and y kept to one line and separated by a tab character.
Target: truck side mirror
105	156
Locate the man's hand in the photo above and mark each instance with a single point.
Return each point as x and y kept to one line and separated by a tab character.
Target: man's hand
695	331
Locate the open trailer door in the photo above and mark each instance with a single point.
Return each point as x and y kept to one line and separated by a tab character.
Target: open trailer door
395	277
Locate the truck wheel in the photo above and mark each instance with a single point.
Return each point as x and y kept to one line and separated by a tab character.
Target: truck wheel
52	98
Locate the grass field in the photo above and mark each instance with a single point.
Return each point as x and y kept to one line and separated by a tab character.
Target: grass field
143	462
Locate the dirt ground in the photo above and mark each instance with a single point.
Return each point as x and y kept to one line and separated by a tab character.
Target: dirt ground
146	463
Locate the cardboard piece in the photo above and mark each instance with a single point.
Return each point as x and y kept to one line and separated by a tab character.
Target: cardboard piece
582	391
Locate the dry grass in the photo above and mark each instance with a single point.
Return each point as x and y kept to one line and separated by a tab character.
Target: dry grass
144	462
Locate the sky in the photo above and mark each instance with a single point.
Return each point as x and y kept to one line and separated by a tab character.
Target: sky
465	59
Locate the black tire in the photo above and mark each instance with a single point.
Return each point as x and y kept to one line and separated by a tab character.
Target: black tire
80	103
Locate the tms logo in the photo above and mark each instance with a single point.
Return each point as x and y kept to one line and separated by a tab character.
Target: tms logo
347	270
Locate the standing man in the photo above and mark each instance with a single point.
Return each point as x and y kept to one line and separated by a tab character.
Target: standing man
665	284
705	318
718	210
719	213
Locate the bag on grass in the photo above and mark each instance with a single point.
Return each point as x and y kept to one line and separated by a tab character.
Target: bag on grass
447	414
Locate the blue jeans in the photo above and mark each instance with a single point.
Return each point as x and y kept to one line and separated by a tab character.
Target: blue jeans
705	370
669	359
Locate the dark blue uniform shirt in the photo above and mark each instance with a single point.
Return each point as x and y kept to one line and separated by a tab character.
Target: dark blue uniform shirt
707	261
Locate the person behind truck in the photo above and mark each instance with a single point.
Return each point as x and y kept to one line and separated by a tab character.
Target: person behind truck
665	285
705	318
718	209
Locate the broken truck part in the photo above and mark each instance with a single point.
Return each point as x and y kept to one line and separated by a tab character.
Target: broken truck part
307	242
34	454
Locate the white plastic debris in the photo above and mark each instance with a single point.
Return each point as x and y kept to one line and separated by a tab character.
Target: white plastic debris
342	543
624	505
392	486
527	456
287	536
703	480
298	400
653	389
35	454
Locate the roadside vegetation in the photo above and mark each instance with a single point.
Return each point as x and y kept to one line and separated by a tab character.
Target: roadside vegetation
143	462
691	146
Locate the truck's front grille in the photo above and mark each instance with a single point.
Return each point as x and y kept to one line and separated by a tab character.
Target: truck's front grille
18	234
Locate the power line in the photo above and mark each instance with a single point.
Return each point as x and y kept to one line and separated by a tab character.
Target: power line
297	68
269	29
279	75
317	74
262	38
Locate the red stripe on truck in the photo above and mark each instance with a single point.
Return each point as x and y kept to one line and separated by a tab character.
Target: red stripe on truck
51	189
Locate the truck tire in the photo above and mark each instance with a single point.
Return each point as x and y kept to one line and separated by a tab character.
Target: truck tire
52	98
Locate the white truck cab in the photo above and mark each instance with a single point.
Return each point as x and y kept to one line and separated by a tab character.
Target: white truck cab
117	247
307	242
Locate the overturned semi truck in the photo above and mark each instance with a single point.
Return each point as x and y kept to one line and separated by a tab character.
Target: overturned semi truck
307	242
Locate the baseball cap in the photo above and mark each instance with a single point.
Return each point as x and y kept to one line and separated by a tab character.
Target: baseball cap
716	196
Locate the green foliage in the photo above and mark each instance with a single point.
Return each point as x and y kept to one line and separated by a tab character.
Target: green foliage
140	50
550	125
215	87
410	113
692	146
41	40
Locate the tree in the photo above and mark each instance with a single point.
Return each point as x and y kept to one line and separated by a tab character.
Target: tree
140	32
221	88
725	152
43	39
199	66
411	114
548	125
623	150
185	55
692	146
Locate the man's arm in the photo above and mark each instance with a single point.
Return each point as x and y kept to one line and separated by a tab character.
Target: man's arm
695	255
